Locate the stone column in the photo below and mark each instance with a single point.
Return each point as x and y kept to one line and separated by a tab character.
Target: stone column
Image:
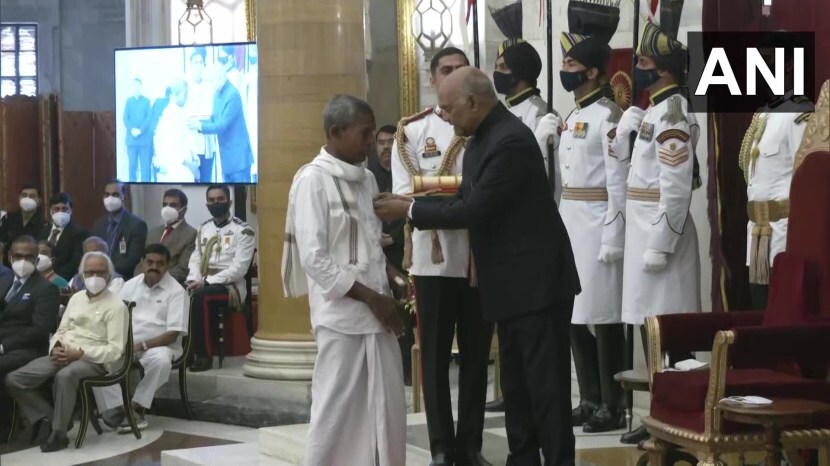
308	51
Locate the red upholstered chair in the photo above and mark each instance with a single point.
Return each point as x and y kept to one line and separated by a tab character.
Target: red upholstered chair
235	329
781	352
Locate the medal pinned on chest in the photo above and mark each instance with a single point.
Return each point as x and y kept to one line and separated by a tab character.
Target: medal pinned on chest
580	130
646	132
227	239
431	149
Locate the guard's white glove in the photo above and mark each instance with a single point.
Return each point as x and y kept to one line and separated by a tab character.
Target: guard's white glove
547	130
609	254
654	261
630	121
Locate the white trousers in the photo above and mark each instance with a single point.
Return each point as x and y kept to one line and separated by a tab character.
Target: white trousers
358	408
156	363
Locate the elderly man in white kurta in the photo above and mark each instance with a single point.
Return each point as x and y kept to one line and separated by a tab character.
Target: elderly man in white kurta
333	253
594	168
767	158
160	318
661	264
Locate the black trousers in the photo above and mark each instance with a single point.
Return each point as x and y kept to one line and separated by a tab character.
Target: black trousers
202	308
758	295
536	383
443	303
597	359
9	363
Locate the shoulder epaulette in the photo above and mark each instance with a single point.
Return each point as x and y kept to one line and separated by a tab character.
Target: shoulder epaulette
616	112
800	99
418	116
239	221
674	112
803	117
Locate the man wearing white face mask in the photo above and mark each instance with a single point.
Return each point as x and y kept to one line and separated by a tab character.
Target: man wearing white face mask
26	221
65	234
90	341
28	313
176	234
124	232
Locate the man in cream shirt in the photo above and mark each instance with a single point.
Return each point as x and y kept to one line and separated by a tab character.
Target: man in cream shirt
160	318
90	341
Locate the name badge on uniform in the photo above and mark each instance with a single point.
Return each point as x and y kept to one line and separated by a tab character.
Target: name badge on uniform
646	132
431	149
580	130
122	246
227	239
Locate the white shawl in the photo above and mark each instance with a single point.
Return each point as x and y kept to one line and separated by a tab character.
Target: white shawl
342	201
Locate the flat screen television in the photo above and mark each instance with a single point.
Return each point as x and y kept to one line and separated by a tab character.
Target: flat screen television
186	114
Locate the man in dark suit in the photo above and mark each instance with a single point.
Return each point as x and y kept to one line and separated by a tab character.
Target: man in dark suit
27	220
67	237
176	234
28	313
228	122
138	116
124	232
526	271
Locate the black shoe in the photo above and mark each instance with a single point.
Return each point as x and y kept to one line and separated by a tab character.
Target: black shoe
57	441
440	459
472	459
201	365
635	436
495	406
604	420
40	431
582	414
113	417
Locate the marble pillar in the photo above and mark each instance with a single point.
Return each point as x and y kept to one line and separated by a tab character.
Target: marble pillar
308	51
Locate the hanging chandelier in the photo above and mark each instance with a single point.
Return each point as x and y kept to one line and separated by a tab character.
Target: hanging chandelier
432	24
195	25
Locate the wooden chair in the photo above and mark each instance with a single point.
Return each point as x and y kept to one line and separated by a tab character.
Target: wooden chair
15	421
119	377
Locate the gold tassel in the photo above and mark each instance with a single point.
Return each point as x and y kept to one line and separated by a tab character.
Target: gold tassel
437	253
759	266
473	273
407	246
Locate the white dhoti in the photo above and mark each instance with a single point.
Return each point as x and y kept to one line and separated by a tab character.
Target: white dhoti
358	409
157	363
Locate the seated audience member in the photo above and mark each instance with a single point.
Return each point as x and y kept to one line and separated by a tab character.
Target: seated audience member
224	248
27	220
176	234
160	318
96	244
67	236
89	342
125	233
28	314
45	264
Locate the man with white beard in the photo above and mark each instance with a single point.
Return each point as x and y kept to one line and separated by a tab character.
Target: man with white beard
174	156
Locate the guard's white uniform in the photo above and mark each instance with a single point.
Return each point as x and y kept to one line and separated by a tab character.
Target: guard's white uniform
530	108
775	139
231	247
657	213
421	132
594	166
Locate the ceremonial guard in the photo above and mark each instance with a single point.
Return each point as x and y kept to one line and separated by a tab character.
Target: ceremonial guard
426	146
224	250
594	166
767	157
661	264
518	66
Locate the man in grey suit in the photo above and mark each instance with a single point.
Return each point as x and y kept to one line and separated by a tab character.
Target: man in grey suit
176	234
28	314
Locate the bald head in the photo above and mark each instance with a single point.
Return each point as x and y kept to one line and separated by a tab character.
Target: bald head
466	96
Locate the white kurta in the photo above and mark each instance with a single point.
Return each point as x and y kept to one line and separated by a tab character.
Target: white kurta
455	244
590	158
530	110
662	159
771	174
358	412
173	148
